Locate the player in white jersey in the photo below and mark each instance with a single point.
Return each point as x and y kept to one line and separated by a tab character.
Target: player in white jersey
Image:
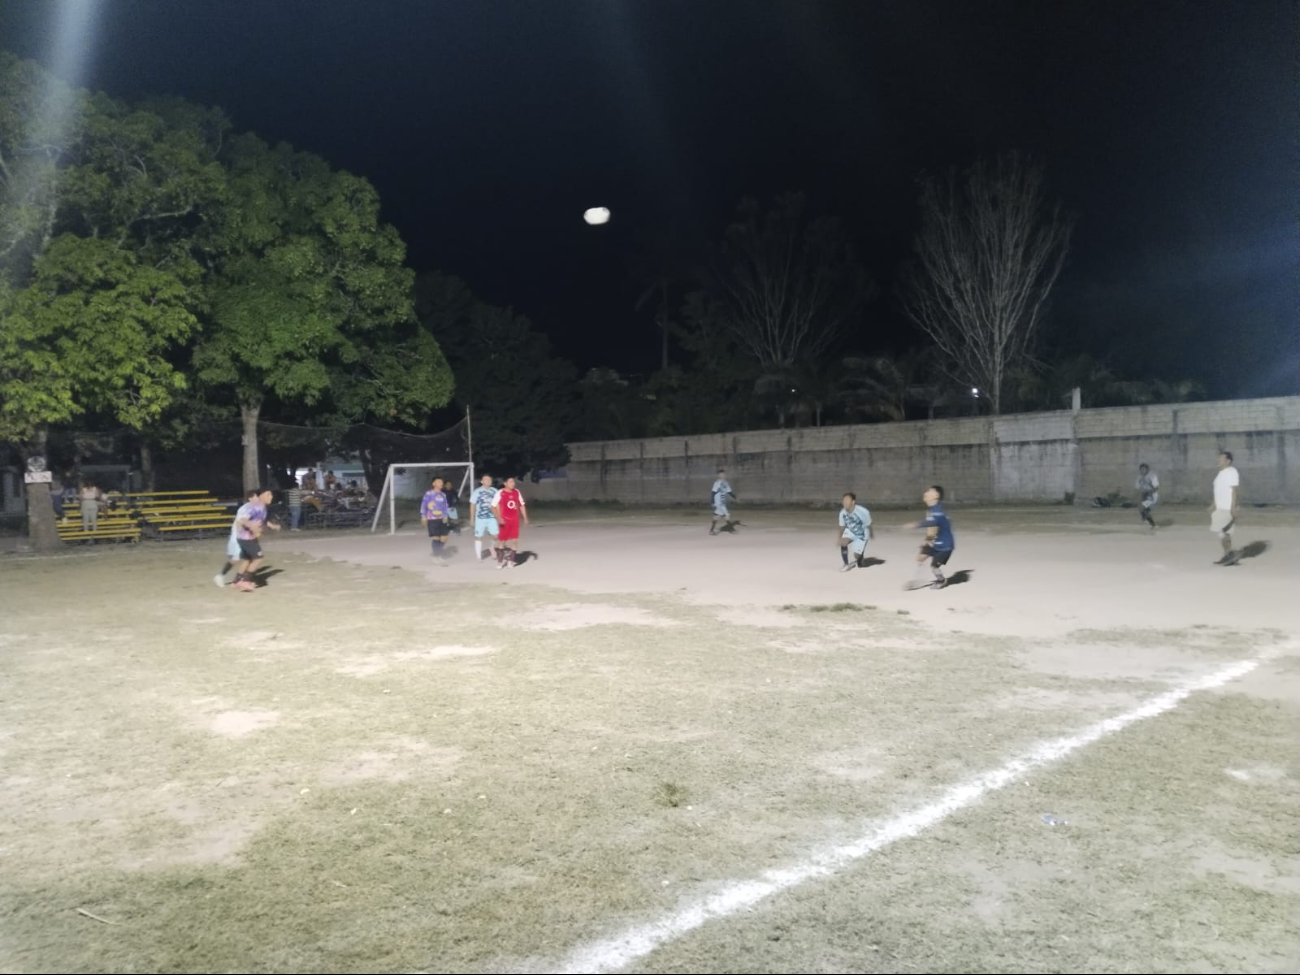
1223	512
1148	485
855	531
483	500
719	496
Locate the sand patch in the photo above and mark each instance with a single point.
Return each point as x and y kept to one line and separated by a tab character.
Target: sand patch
759	616
1258	774
238	724
575	616
407	758
379	663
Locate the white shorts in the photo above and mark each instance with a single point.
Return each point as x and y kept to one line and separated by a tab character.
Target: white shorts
486	526
1221	522
720	511
856	545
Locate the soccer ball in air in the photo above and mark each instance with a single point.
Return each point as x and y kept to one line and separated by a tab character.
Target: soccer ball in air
596	216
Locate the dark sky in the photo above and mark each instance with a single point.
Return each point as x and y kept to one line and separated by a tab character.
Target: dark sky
1169	129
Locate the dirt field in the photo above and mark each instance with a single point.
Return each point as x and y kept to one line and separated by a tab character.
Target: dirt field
650	750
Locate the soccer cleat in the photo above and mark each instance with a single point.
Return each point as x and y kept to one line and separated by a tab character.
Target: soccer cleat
243	585
219	580
939	584
846	567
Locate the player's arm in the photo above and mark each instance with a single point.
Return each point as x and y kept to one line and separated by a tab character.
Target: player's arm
1235	488
523	507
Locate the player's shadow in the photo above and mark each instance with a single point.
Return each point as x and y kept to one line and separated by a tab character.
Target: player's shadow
869	562
1165	523
262	576
957	578
525	557
730	526
1254	550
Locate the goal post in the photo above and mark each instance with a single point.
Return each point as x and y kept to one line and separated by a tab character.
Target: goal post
422	472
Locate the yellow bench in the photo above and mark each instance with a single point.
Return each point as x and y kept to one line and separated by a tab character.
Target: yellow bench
117	534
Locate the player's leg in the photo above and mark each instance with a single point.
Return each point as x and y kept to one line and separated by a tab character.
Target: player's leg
937	562
1229	556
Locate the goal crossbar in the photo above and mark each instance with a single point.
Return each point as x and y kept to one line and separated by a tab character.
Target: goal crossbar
390	494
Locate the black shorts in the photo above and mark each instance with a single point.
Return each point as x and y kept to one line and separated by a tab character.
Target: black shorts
438	528
250	548
936	558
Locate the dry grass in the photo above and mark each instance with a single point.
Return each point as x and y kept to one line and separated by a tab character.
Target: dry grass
355	770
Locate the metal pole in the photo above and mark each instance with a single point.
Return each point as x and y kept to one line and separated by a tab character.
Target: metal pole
392	502
469	436
379	505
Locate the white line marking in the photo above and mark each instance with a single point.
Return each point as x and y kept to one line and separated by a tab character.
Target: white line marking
620	950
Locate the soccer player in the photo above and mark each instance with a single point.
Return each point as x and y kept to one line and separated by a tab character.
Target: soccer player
855	531
721	492
1148	485
938	546
483	500
1223	513
436	513
250	520
508	508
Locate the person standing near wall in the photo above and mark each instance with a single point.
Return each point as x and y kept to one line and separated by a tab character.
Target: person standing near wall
722	493
1148	485
1223	512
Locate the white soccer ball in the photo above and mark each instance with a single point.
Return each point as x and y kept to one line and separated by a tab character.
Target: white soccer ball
596	216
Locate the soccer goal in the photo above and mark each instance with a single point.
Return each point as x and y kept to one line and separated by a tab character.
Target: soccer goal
412	480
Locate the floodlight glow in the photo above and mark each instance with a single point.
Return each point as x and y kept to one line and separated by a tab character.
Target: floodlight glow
596	216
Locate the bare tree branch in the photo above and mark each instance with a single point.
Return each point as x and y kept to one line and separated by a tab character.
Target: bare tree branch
988	253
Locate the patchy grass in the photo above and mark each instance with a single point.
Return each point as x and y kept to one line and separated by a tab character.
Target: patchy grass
356	770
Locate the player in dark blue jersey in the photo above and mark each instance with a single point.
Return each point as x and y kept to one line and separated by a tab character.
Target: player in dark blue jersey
938	546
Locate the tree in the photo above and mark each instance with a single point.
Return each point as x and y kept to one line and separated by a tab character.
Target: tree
308	301
988	253
91	332
785	287
96	287
521	396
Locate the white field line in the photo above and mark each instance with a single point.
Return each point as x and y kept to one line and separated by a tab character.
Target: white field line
622	949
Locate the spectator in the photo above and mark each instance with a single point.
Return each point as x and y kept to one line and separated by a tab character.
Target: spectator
56	498
331	482
91	498
293	498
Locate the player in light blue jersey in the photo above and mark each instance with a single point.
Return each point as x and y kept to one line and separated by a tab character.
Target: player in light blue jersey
482	501
720	495
855	531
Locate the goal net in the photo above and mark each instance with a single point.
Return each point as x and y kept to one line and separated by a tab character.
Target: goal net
405	484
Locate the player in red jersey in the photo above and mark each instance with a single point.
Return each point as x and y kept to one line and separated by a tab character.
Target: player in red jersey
509	507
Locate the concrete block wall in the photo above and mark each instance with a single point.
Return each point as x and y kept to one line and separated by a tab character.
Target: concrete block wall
1032	457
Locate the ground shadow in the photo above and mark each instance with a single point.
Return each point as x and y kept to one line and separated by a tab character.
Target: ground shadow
262	576
1165	523
730	526
957	578
523	557
869	562
1253	550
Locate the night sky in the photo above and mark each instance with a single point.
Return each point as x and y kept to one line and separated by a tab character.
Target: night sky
1168	129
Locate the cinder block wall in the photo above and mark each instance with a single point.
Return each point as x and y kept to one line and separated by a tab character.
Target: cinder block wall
1031	457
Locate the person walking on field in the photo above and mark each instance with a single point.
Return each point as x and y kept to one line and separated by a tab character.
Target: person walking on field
483	500
293	498
1223	512
1148	485
509	509
720	495
436	515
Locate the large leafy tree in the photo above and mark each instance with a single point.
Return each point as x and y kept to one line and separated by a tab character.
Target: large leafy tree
520	394
96	285
308	300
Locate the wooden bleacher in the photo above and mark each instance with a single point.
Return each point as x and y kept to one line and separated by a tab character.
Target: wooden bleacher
155	514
